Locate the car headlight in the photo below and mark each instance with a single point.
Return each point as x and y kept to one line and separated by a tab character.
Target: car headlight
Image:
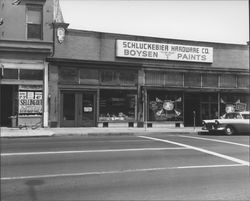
217	124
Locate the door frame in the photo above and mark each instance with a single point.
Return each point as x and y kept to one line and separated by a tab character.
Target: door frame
79	109
78	104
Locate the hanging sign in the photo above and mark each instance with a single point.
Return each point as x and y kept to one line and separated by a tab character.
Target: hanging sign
163	51
60	34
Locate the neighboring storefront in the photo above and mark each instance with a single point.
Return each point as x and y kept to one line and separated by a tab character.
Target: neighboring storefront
22	93
114	80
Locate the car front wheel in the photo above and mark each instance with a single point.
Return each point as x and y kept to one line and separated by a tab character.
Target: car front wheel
229	130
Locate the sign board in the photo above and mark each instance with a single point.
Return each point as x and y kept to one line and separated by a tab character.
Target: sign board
30	102
163	51
240	106
87	109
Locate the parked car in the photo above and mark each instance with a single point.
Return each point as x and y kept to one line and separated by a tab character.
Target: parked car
230	123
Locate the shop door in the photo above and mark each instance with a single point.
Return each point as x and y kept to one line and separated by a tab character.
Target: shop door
78	109
86	109
192	109
8	104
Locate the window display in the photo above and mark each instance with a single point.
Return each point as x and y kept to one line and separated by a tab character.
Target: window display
233	102
165	106
30	102
117	106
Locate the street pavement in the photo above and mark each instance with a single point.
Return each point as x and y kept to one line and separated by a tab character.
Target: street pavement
145	166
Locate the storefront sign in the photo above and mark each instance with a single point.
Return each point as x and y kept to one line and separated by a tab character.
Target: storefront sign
30	102
163	51
87	109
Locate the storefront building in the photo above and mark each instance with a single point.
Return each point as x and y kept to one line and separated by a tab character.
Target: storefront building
114	80
26	40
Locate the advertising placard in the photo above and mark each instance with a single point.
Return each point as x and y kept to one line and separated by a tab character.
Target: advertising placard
30	102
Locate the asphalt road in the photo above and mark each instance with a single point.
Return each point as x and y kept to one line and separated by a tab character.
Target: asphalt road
147	167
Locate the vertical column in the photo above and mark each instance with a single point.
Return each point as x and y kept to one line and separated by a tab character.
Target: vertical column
219	114
97	107
45	95
54	100
140	102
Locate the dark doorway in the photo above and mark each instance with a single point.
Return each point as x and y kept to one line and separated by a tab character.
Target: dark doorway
192	109
78	109
7	94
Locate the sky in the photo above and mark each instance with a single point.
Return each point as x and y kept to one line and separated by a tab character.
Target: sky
222	21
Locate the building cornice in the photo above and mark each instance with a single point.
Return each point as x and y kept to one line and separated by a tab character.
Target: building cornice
154	67
26	46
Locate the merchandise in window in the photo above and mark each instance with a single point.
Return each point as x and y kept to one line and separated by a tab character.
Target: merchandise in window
164	106
117	106
234	102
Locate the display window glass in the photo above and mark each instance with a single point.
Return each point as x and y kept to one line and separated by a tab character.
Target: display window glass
26	74
165	106
228	81
68	75
243	81
117	106
118	77
234	102
209	80
192	80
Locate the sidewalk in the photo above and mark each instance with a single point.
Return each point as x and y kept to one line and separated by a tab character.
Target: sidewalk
93	131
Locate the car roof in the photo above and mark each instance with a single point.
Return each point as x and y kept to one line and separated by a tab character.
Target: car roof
243	112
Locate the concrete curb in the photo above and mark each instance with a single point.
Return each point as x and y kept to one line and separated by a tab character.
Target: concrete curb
47	132
120	134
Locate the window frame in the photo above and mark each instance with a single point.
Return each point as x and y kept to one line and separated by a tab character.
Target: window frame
34	7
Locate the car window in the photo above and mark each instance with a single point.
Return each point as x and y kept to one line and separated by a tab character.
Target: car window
246	116
230	116
238	116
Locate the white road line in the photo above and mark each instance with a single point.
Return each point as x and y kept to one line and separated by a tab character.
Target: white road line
201	150
215	140
90	151
115	172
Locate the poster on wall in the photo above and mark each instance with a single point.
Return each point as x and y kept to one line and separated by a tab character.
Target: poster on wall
30	102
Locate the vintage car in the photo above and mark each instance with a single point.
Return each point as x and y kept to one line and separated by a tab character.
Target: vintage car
230	123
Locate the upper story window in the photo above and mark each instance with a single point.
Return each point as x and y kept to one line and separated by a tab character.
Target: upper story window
34	21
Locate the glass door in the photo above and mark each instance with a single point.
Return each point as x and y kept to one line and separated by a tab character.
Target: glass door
78	109
87	109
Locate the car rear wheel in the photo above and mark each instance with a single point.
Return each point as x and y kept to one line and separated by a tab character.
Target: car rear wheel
229	130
